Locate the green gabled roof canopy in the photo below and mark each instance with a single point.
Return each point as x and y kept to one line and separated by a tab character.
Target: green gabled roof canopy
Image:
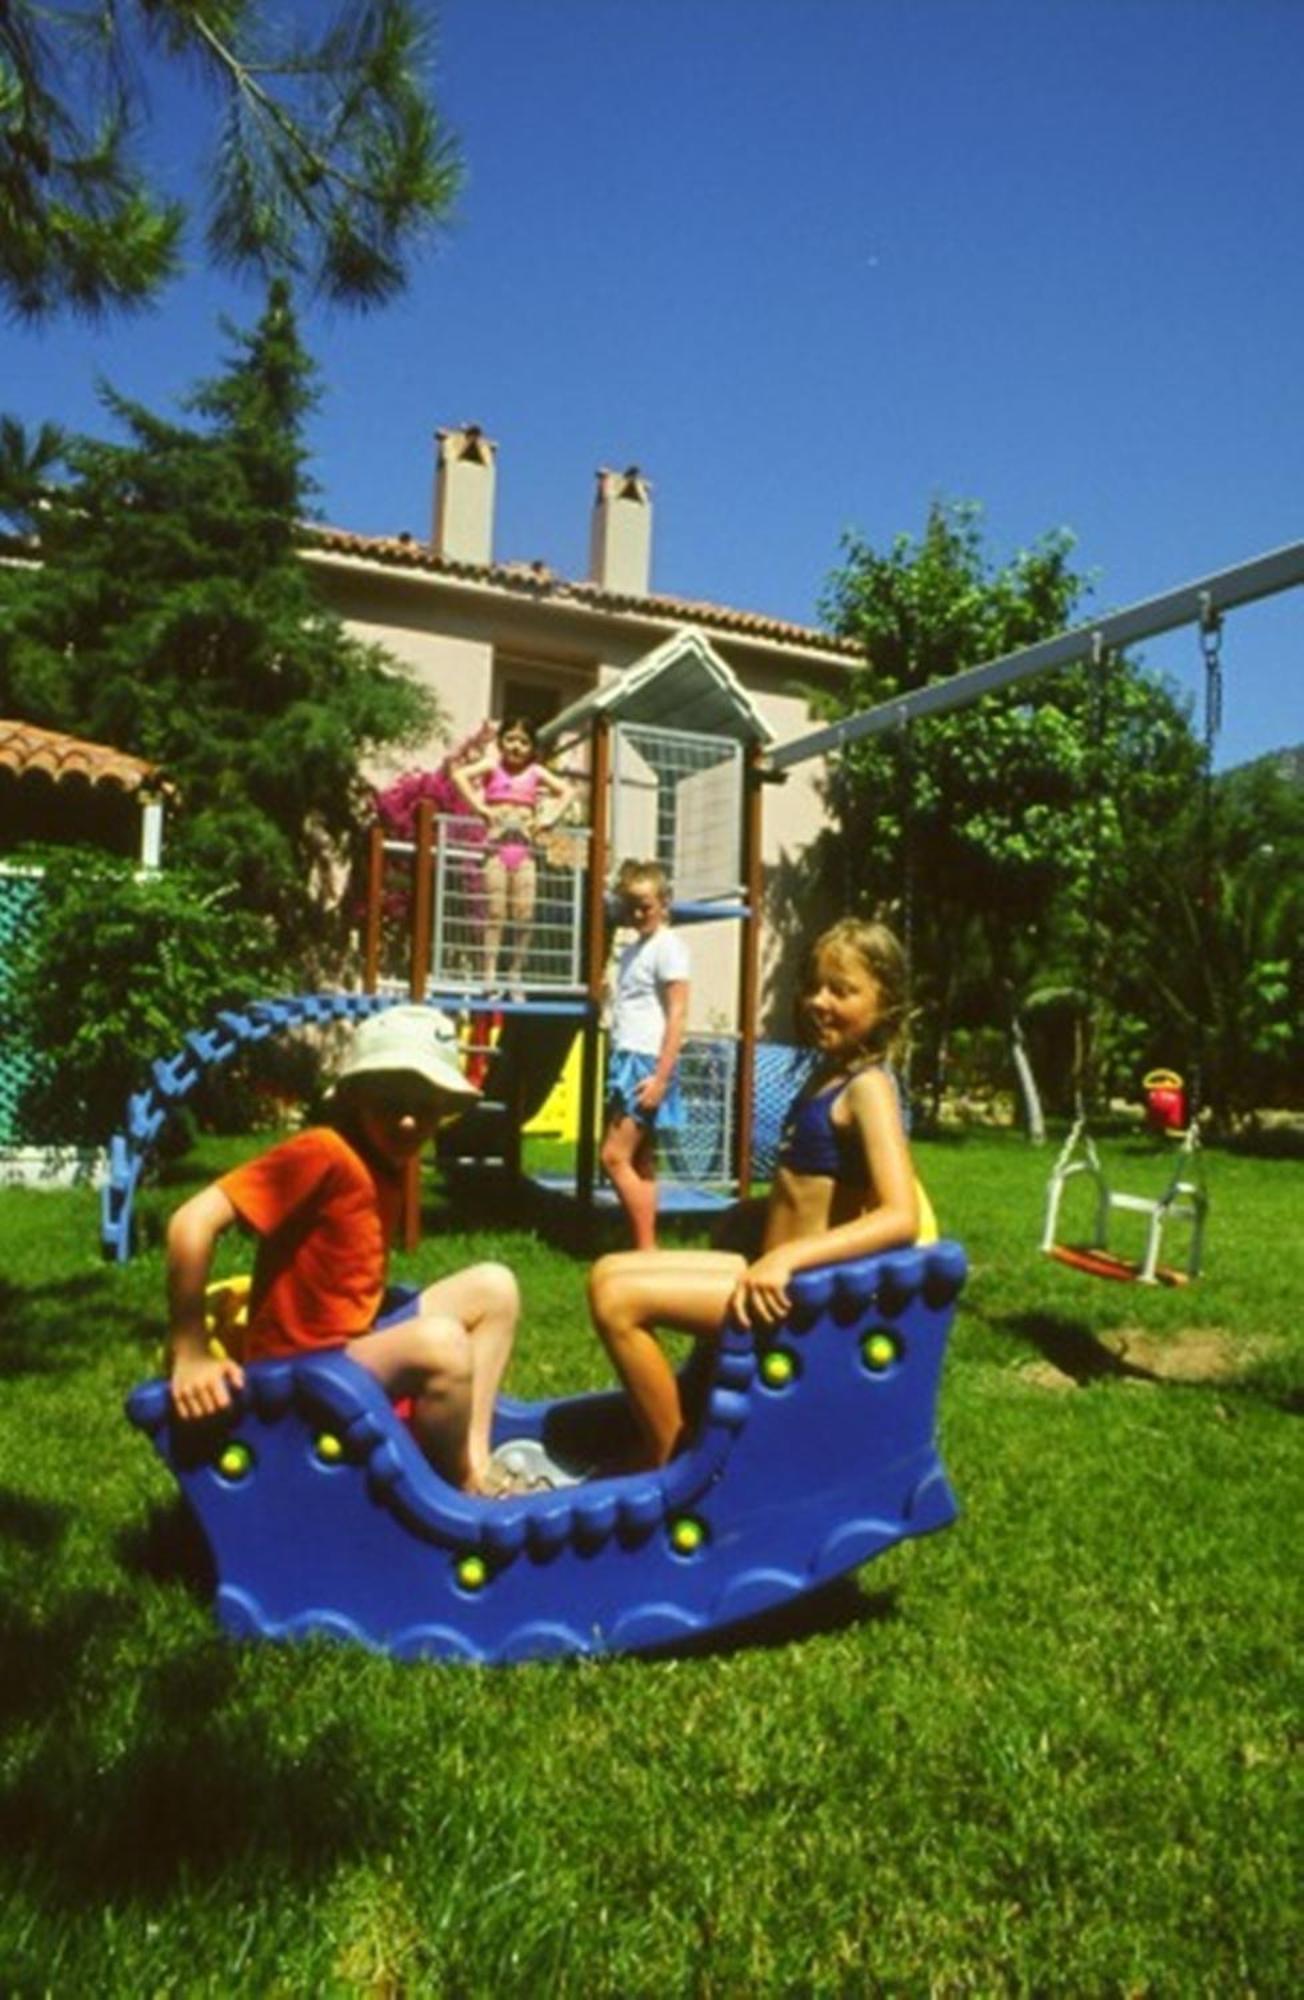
682	684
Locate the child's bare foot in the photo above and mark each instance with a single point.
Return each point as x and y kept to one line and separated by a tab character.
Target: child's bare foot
495	1482
526	1467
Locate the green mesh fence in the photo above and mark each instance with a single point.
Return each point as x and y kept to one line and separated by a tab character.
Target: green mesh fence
20	893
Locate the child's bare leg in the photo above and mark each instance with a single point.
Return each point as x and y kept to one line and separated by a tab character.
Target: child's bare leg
629	1161
428	1359
485	1301
522	895
495	888
629	1294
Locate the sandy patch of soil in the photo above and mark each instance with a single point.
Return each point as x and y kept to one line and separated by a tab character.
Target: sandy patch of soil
1045	1375
1196	1354
1193	1355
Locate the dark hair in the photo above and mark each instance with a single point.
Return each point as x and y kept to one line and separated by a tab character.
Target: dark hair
882	955
525	726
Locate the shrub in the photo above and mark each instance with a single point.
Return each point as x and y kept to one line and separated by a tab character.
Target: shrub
118	967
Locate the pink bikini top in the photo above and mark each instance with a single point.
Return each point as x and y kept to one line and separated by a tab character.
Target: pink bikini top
512	788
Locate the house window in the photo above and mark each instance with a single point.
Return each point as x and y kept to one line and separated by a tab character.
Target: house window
538	692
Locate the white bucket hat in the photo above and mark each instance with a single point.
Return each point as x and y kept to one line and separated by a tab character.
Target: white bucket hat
419	1040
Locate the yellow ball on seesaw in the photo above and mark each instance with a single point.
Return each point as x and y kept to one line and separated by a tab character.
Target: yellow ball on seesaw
880	1350
473	1572
236	1461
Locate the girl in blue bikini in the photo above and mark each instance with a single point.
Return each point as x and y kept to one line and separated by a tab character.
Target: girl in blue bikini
844	1187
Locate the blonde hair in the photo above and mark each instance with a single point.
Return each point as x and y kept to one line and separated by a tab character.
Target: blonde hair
650	873
880	953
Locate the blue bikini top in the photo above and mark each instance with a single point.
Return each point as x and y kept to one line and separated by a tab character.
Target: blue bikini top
810	1142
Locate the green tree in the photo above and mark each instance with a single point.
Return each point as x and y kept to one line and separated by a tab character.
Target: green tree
1222	985
999	817
171	616
330	160
28	462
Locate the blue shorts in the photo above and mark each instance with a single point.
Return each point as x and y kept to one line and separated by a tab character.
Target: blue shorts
399	1303
626	1070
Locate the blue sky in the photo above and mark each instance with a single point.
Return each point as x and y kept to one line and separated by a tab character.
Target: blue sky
812	264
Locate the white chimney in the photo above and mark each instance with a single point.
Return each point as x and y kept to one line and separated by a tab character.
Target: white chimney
464	495
620	547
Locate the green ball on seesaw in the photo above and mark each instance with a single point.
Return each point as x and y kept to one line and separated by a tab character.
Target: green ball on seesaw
329	1449
880	1350
687	1536
473	1572
778	1368
236	1461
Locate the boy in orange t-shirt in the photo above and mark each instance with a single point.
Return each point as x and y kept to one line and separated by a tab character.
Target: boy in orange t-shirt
324	1205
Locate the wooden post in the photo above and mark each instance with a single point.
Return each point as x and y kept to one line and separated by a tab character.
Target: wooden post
375	901
151	829
749	973
418	974
595	956
422	901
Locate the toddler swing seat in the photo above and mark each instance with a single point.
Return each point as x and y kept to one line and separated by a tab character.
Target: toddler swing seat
1184	1199
815	1451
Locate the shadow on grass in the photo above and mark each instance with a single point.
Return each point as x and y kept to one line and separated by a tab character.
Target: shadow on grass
206	1788
1072	1347
44	1328
1273	1382
840	1606
171	1548
34	1524
41	1658
1076	1351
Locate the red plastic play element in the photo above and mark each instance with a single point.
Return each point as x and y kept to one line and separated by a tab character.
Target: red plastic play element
1103	1264
1165	1100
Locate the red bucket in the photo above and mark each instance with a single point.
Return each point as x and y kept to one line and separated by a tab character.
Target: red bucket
1165	1100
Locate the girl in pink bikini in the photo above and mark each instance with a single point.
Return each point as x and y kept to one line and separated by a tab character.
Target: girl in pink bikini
505	791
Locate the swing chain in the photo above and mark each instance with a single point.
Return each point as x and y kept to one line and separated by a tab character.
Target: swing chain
1211	637
908	889
1097	722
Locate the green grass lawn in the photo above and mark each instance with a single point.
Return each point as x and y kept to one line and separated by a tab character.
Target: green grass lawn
1054	1750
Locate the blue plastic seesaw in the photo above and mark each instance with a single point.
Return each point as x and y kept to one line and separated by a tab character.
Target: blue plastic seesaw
813	1453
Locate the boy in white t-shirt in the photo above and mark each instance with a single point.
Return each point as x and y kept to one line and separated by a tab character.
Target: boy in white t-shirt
649	1010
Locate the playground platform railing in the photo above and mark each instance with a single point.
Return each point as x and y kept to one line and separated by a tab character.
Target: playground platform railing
540	947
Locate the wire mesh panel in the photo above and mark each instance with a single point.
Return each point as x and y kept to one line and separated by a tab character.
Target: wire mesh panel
780	1071
20	894
508	913
457	937
702	1152
677	798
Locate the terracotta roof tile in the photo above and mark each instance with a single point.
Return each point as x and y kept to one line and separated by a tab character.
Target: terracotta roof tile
535	579
28	751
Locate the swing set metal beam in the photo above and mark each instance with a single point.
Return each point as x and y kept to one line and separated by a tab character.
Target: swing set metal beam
1191	604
